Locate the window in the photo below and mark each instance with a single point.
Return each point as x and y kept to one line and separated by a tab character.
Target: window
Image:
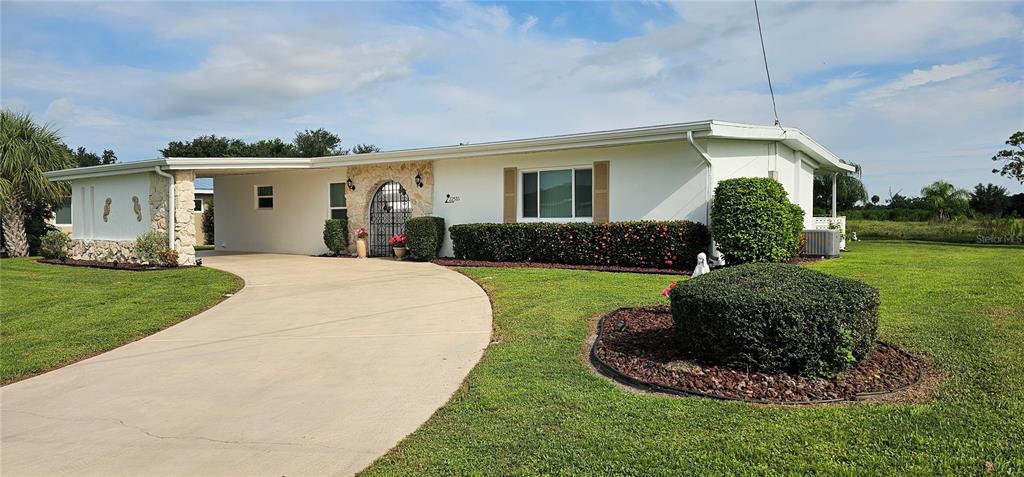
197	205
337	201
264	197
62	215
558	194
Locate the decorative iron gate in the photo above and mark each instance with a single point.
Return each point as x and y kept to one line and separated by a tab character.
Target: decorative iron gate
389	210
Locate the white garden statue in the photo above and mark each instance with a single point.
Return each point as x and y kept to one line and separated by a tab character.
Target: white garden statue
702	265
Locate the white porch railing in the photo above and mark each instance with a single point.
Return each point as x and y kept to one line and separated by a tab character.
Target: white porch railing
823	223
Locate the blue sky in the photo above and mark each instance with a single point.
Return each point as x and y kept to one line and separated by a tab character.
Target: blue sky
912	91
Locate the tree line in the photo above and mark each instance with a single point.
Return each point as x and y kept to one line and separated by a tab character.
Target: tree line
940	200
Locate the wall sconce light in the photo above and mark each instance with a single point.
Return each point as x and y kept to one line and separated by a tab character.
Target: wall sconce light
419	180
350	185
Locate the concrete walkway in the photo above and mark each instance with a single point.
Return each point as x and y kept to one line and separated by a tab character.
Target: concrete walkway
317	367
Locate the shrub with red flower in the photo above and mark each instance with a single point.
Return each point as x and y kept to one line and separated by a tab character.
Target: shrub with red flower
397	240
361	233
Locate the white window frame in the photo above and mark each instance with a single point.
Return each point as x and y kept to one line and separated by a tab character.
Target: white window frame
202	205
257	196
574	218
344	187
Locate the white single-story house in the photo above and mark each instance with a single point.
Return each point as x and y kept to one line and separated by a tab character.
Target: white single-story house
665	172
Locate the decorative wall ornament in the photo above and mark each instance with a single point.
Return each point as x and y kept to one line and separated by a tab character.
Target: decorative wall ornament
106	209
137	207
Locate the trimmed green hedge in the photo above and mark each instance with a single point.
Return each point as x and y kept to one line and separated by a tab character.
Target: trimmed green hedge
425	236
776	318
890	214
336	235
752	220
649	244
55	244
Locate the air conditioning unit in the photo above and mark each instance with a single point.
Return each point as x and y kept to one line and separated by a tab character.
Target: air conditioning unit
821	243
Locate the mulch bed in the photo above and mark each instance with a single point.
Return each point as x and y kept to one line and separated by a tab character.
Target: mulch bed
136	267
637	347
454	262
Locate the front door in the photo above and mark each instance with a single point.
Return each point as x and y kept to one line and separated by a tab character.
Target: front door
389	210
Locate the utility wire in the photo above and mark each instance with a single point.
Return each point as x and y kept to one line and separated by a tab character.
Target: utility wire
765	56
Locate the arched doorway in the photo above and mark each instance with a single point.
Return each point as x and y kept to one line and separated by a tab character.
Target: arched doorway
389	210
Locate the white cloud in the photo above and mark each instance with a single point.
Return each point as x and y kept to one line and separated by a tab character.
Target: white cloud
936	73
876	82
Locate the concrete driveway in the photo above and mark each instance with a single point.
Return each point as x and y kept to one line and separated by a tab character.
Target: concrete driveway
317	367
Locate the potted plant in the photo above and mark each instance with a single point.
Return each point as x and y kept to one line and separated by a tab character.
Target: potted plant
361	235
397	243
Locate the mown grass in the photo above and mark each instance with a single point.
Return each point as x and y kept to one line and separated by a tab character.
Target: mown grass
955	231
53	315
531	406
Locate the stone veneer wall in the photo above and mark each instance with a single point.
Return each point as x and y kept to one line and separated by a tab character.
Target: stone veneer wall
368	178
184	224
103	250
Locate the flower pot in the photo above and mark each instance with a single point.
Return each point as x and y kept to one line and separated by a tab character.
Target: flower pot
400	252
361	247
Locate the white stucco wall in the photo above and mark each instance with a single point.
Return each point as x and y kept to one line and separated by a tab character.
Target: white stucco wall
663	181
294	225
87	203
737	158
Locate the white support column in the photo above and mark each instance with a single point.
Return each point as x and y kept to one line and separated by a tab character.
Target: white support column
834	194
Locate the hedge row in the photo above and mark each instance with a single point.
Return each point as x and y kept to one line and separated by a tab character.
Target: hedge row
424	236
776	318
649	244
892	214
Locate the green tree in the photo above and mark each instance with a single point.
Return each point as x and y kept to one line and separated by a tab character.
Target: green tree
945	199
989	199
27	150
84	158
875	199
1014	158
207	146
849	190
365	149
318	143
272	148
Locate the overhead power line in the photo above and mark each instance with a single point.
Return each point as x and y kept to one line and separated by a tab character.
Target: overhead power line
765	56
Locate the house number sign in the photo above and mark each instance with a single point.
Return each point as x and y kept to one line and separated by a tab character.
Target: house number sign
451	199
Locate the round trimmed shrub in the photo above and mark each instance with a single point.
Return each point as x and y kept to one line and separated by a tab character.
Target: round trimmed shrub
336	235
752	220
55	244
776	318
425	235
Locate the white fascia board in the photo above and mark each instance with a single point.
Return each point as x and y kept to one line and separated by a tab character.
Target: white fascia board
792	137
618	137
204	163
135	167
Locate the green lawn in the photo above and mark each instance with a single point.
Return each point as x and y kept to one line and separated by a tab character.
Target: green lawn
956	231
531	407
52	315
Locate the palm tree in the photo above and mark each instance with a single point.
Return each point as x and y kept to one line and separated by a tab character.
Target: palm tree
944	198
27	150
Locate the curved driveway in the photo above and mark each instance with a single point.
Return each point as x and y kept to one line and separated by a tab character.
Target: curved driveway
318	366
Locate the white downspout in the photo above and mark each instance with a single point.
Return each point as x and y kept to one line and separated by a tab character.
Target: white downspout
170	206
707	186
715	257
